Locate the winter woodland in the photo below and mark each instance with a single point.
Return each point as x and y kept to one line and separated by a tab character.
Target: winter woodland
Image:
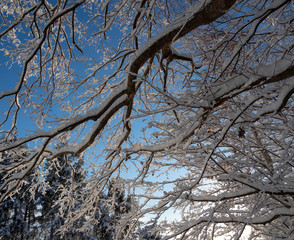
184	106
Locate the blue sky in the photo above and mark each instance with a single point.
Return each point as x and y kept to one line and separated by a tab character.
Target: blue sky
8	80
10	76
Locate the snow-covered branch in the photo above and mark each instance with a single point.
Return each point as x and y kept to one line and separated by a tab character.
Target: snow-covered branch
187	103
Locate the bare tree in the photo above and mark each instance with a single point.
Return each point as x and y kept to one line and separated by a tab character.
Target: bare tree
202	89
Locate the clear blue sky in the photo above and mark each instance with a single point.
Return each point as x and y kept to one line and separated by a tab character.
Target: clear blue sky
8	80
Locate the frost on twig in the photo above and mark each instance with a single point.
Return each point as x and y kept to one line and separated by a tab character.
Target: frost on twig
188	104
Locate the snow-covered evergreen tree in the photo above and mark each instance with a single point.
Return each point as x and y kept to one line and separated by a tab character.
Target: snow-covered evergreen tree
147	232
60	175
112	205
18	213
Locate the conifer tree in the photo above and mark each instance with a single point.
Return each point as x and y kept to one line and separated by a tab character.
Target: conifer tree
112	205
58	178
146	233
17	214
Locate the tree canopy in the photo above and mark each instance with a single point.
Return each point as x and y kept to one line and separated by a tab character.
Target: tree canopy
187	104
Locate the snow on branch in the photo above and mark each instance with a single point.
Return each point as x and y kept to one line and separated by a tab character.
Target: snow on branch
264	74
115	83
257	220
